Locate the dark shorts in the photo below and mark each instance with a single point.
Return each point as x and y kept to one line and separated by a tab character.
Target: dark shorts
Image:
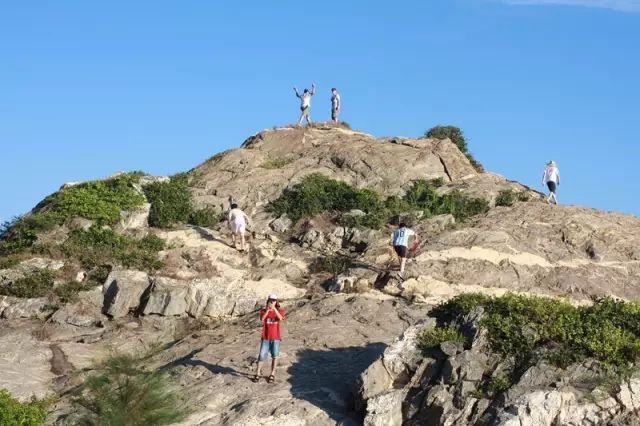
552	186
401	251
334	114
305	111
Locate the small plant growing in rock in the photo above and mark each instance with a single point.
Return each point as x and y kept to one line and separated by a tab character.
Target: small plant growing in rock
16	413
207	217
36	284
335	264
506	197
456	136
123	392
432	338
498	383
276	163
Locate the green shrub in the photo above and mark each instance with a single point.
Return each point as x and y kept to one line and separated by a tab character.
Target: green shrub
68	292
317	194
456	136
517	326
207	217
170	201
499	383
100	201
36	284
15	413
124	392
8	262
506	197
97	246
432	338
335	264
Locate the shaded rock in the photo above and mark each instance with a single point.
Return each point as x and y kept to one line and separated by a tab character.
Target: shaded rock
123	290
281	224
86	312
24	308
135	219
167	297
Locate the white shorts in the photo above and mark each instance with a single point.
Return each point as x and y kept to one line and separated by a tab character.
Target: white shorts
238	227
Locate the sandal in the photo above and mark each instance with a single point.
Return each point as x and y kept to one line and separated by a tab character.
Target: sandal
271	379
255	379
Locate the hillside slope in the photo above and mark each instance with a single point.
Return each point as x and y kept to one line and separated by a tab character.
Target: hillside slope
78	281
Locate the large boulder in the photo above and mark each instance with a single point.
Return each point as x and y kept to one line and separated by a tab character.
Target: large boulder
123	290
167	297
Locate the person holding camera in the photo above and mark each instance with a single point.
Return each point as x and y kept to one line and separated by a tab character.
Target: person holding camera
270	316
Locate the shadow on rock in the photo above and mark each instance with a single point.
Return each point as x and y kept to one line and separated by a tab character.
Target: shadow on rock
326	378
191	360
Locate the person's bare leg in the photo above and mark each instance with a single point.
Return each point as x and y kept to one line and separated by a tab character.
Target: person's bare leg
274	364
242	241
300	120
403	261
233	239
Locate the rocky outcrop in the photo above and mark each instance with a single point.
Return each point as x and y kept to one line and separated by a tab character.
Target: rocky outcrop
122	291
447	386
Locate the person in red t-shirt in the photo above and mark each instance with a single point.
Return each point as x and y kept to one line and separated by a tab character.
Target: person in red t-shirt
270	316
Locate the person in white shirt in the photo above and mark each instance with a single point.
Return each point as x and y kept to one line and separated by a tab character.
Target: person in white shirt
305	103
238	224
335	105
551	178
400	242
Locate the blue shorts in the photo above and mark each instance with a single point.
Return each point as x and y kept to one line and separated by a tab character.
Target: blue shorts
269	347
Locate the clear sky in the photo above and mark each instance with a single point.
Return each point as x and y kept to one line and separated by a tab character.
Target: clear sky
91	88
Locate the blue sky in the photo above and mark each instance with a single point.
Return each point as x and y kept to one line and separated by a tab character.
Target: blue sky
91	88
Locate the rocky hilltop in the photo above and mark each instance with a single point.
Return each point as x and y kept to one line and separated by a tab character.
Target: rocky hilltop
138	264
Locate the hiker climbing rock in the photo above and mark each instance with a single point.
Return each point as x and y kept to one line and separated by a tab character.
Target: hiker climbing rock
270	316
335	105
551	178
305	103
400	241
238	224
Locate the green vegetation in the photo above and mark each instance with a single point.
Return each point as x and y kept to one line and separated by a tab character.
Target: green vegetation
68	292
276	163
96	247
36	284
100	201
207	217
318	194
8	262
498	383
334	264
519	327
123	392
506	197
432	338
15	413
170	201
456	136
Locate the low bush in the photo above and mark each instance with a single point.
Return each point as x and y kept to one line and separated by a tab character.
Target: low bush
506	197
335	264
170	201
102	246
36	284
123	392
518	326
68	292
16	413
456	136
207	217
317	194
432	338
100	201
276	163
8	262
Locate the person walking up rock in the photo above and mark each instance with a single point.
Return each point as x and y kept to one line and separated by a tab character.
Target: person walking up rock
335	105
400	242
305	103
551	178
237	221
270	317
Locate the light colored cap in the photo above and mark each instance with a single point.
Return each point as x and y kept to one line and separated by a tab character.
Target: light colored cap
272	297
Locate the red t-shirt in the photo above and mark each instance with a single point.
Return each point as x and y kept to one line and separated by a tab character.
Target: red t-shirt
271	325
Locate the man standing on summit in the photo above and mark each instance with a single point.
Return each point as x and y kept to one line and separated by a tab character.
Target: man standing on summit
305	103
335	105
